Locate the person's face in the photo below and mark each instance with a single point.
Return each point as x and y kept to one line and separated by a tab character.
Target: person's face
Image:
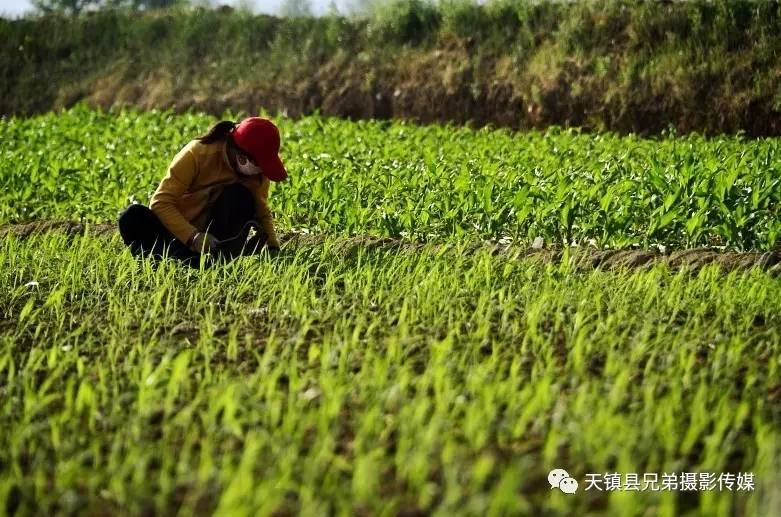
246	165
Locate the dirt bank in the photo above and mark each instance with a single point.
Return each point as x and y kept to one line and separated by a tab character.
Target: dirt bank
581	257
643	67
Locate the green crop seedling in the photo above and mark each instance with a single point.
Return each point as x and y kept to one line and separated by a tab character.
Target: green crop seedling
395	179
425	375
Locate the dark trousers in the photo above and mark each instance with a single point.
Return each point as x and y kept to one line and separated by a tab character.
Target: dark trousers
143	232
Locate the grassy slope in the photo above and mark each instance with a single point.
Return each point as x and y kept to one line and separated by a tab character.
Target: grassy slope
627	66
377	382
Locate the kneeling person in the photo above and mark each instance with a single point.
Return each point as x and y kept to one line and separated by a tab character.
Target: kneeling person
214	187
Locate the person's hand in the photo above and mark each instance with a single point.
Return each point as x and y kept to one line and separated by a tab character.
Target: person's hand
203	243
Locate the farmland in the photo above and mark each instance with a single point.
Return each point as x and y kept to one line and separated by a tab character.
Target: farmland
396	363
434	182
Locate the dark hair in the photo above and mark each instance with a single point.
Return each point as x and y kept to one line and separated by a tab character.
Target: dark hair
217	132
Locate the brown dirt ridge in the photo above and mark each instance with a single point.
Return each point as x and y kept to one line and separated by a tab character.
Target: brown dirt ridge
582	258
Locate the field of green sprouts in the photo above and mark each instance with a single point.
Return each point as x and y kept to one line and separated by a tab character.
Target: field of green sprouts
340	378
423	183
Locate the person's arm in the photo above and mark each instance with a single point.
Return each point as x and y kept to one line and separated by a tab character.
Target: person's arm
264	213
180	176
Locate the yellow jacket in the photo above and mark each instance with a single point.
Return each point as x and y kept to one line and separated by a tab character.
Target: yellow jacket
194	180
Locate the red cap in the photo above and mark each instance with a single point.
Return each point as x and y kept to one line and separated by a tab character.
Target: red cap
259	138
